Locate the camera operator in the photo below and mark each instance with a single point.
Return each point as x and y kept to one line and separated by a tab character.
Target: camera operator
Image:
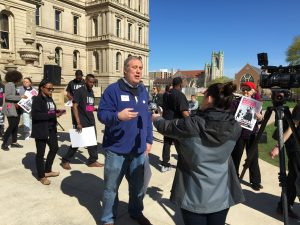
247	138
293	154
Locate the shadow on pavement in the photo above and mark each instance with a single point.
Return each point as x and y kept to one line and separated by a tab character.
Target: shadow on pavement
156	194
266	203
154	161
29	163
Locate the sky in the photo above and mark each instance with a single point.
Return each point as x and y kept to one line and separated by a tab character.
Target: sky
183	33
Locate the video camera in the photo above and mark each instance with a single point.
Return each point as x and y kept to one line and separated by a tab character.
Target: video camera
284	77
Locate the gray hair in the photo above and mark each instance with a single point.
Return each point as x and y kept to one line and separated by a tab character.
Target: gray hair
126	62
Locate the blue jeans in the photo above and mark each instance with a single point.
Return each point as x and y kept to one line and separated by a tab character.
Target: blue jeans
27	123
116	166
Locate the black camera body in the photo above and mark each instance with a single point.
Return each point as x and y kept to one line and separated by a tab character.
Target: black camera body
284	77
153	108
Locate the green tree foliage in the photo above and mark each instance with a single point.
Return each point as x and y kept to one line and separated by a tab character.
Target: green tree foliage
223	79
293	52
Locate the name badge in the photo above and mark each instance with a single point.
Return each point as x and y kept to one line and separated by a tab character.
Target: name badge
125	98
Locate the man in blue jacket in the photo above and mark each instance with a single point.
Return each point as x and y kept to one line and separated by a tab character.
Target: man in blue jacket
127	139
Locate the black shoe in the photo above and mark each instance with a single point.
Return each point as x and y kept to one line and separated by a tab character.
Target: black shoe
5	147
256	187
16	145
142	220
291	213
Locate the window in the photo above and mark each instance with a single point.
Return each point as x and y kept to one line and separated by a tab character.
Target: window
39	47
57	20
140	6
129	31
4	30
75	59
95	27
58	53
118	26
140	35
129	3
38	15
96	61
75	24
118	60
247	77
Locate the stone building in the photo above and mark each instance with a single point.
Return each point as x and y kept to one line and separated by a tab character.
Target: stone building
214	69
95	36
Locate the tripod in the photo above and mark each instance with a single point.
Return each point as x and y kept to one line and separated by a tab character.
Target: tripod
281	112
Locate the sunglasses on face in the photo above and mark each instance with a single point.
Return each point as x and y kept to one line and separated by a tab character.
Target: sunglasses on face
49	89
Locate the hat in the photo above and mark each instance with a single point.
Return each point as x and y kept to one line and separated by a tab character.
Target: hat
250	84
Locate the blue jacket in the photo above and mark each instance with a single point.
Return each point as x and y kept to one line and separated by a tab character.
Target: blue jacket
125	136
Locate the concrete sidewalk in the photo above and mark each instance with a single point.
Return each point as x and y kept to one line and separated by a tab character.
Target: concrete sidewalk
74	198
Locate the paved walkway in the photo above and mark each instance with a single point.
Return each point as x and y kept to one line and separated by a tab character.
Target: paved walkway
74	198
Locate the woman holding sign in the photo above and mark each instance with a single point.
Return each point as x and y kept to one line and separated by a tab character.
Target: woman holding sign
44	130
247	138
11	109
29	91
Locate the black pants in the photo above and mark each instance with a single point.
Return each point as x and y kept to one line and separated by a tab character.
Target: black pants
217	218
92	150
40	152
166	151
293	161
12	129
254	171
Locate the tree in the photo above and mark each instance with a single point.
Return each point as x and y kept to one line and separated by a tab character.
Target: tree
293	52
223	79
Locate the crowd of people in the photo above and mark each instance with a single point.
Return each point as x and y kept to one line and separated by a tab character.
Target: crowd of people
208	140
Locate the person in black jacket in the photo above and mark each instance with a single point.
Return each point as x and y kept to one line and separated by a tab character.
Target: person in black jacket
44	130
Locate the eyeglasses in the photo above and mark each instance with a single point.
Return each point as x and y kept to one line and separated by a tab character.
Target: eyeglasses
49	89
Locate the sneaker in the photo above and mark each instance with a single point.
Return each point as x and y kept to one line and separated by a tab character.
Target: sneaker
52	174
256	187
5	147
95	164
45	181
165	168
16	145
66	165
142	220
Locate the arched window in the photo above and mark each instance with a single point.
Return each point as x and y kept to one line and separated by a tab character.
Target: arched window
75	59
4	30
39	47
96	61
58	56
247	77
118	60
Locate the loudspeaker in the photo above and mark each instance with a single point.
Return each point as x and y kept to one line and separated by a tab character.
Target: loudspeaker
52	73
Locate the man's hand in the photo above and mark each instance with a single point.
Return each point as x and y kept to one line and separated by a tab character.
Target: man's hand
259	117
79	128
274	152
154	116
148	148
127	114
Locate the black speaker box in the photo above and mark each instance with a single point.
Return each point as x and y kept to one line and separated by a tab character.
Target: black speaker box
52	73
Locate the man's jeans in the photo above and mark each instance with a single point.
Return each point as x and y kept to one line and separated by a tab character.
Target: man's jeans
116	166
